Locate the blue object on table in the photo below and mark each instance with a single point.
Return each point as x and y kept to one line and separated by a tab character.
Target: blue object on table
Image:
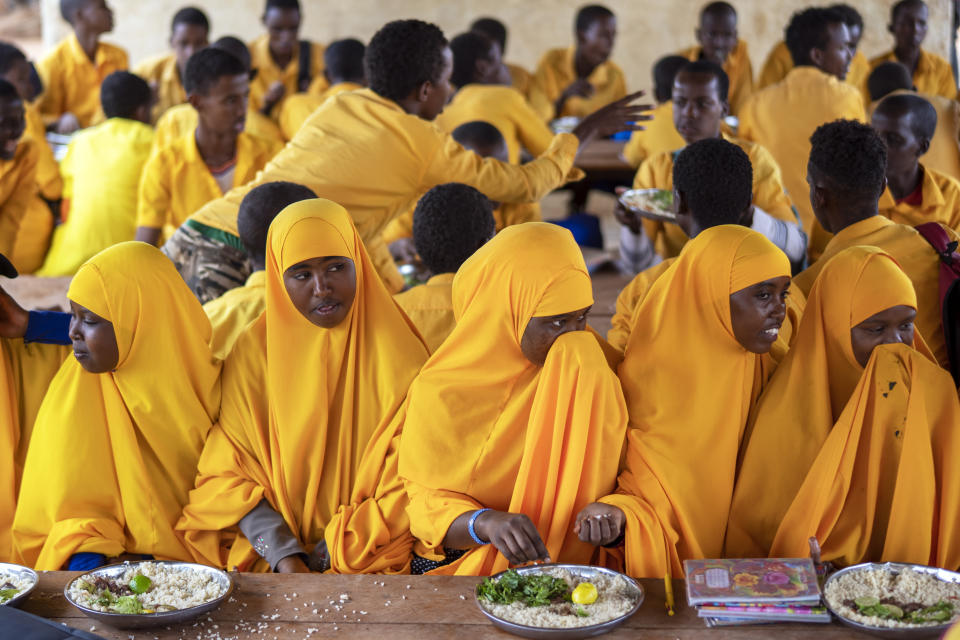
86	561
585	228
621	136
15	623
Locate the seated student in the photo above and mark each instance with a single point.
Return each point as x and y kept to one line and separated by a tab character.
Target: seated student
101	173
285	454
519	466
189	32
931	73
580	79
18	167
863	457
699	105
846	174
659	134
205	163
284	64
233	311
892	78
182	118
147	386
915	193
706	197
811	94
719	44
520	78
73	71
450	222
482	94
343	71
674	489
385	131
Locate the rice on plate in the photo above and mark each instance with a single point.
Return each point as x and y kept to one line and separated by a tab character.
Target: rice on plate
13	584
146	587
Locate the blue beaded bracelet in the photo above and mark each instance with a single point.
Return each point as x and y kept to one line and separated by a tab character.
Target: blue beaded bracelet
472	531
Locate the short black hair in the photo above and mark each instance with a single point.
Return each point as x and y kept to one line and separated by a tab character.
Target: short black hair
403	55
258	209
493	29
467	48
851	17
664	71
924	121
9	56
190	15
887	78
810	29
122	93
281	4
717	8
852	158
708	68
235	47
344	59
478	133
70	7
903	4
207	66
9	92
716	178
450	222
589	14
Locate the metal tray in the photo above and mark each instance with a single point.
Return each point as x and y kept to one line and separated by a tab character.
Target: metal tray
565	634
652	215
17	600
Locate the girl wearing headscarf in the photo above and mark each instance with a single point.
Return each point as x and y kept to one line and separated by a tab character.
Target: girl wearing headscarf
517	421
116	442
854	440
694	365
310	386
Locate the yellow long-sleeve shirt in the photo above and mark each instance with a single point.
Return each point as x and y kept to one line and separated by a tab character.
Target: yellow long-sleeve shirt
739	70
933	74
162	73
48	171
71	81
430	307
233	311
18	186
782	118
181	119
555	73
779	63
268	72
298	107
660	135
940	202
520	78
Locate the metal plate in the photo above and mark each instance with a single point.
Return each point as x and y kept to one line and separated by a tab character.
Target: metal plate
582	571
660	216
147	620
16	569
933	631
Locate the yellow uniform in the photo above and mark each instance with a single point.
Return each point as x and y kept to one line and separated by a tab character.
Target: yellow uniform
659	136
940	202
18	191
162	73
780	62
268	72
177	121
176	181
298	107
944	152
555	73
520	78
48	171
739	71
231	313
809	98
101	178
430	308
504	108
71	81
37	222
933	74
768	192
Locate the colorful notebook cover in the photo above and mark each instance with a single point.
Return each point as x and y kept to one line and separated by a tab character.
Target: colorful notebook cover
766	612
751	581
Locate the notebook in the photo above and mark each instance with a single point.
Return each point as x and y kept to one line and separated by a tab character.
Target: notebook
751	581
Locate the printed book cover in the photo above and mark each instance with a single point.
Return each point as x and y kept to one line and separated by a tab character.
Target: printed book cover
749	581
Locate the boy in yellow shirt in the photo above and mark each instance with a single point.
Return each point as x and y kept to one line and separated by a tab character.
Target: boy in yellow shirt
208	161
659	134
18	166
520	78
717	35
189	32
73	71
580	79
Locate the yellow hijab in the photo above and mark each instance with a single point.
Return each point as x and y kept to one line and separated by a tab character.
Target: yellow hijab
301	403
487	428
690	386
113	456
809	391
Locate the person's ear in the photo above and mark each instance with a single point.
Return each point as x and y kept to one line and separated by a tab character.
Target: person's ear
424	91
819	199
696	33
142	114
816	57
194	100
725	105
923	146
263	19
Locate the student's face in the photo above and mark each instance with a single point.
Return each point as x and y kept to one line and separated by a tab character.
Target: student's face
96	16
697	109
909	28
94	341
282	25
890	326
542	331
322	289
835	57
717	35
757	312
19	76
186	40
903	147
490	69
224	108
12	125
856	32
595	43
435	95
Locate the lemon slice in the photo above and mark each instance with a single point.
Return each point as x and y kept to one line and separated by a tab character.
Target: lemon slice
585	593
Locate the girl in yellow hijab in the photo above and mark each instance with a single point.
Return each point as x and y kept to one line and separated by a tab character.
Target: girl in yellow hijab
310	386
517	420
855	440
693	368
115	446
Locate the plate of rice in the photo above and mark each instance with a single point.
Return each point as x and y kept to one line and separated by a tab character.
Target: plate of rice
137	595
894	600
655	204
558	601
16	583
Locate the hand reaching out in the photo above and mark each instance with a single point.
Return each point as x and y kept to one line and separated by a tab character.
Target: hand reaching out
599	524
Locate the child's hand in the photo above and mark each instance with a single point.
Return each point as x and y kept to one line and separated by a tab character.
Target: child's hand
626	217
67	124
292	564
599	524
273	95
514	535
613	118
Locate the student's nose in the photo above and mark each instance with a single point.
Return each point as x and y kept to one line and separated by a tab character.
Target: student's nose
74	330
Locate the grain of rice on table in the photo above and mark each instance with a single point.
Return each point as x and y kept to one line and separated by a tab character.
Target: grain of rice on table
907	586
181	587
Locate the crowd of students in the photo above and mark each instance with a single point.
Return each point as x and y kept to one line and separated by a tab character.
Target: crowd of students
264	392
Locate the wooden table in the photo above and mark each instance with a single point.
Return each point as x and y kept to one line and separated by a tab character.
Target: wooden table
269	606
